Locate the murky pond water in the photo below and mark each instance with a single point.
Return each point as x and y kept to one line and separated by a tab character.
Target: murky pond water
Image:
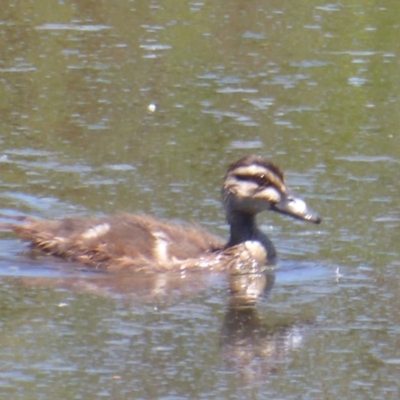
312	86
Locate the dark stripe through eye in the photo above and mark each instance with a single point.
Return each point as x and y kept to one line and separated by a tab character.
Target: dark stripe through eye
261	180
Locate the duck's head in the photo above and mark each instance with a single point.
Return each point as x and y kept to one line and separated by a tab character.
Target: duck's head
254	184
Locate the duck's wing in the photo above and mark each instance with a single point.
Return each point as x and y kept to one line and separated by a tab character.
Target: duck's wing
119	241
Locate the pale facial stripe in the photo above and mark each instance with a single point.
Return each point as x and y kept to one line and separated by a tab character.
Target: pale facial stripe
272	194
251	170
258	170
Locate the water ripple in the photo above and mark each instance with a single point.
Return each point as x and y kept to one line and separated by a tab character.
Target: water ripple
72	27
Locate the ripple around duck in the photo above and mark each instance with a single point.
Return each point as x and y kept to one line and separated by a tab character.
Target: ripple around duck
294	272
50	272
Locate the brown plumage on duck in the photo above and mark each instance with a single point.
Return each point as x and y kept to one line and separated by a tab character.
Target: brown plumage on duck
142	243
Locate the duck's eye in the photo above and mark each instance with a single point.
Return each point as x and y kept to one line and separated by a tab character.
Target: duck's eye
261	180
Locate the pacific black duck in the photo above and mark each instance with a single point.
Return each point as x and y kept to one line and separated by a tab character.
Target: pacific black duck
135	243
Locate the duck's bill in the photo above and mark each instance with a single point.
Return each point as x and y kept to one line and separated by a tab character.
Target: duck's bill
296	208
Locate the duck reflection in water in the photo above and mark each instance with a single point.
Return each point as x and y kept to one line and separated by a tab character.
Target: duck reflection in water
254	347
251	344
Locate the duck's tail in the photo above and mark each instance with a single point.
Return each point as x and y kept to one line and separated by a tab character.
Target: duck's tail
17	219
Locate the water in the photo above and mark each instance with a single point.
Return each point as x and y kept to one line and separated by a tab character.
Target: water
312	86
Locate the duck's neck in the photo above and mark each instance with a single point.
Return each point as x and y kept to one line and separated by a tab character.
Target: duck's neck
243	227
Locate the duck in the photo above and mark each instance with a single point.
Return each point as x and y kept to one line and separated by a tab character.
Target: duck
138	243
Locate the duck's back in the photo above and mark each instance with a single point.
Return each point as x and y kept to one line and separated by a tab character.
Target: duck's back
122	241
